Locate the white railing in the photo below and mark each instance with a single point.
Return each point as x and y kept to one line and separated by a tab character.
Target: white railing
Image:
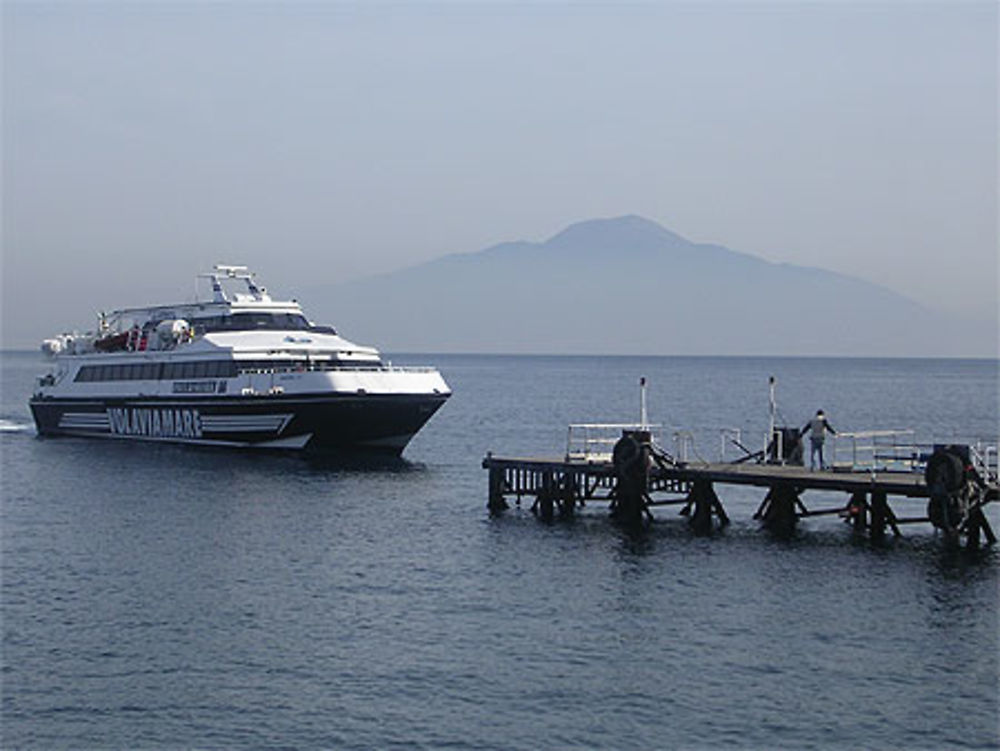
323	367
774	446
776	451
685	447
985	460
595	441
875	450
727	436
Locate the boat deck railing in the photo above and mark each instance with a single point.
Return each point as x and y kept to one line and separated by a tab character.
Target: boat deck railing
330	367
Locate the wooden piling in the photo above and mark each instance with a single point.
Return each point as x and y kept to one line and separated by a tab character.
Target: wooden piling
706	505
496	503
878	516
857	509
780	514
881	516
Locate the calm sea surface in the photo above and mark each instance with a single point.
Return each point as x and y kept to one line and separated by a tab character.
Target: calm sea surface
167	597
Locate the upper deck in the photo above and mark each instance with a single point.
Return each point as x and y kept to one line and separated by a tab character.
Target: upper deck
237	306
233	291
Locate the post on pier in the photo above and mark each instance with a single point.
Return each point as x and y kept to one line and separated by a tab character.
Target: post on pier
857	510
778	509
702	505
567	495
881	516
496	503
545	498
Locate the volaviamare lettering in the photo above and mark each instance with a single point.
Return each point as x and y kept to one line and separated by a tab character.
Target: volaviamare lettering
155	423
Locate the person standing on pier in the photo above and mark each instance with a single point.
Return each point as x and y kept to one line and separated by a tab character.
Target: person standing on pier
817	427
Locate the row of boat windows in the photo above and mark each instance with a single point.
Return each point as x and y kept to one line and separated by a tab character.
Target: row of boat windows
173	371
258	322
154	371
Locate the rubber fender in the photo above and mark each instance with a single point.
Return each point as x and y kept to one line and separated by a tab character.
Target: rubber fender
946	469
943	512
625	453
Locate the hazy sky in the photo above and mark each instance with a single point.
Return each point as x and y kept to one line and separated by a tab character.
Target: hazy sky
320	141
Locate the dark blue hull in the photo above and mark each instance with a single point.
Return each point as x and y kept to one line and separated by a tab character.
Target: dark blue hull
377	422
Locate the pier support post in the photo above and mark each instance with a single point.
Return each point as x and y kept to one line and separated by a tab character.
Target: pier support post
984	525
705	503
778	510
976	526
496	503
567	496
972	528
878	516
857	509
545	499
882	515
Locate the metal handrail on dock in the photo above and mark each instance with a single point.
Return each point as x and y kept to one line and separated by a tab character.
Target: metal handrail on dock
685	447
875	451
593	441
985	461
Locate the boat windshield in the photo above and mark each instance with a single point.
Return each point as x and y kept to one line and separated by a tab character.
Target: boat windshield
258	322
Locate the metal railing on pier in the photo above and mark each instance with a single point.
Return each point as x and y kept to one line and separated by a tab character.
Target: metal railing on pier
875	451
595	441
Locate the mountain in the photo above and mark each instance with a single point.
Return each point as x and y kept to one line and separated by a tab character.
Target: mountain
630	286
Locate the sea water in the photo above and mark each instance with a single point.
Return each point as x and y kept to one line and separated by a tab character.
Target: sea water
158	596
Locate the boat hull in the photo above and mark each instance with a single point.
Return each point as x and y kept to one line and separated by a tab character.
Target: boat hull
383	423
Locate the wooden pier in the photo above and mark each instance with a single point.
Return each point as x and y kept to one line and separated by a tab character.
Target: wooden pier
949	490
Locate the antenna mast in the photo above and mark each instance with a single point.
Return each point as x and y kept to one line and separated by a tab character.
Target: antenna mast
773	384
643	420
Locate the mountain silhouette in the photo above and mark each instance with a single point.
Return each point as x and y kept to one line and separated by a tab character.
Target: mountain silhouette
627	285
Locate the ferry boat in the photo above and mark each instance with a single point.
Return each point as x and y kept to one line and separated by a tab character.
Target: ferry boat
240	369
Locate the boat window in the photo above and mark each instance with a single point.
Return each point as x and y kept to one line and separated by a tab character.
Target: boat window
222	369
251	322
258	322
179	370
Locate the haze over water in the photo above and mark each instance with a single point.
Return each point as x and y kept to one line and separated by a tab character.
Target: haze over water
164	597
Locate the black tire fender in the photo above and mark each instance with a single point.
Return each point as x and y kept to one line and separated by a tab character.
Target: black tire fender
625	453
945	469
